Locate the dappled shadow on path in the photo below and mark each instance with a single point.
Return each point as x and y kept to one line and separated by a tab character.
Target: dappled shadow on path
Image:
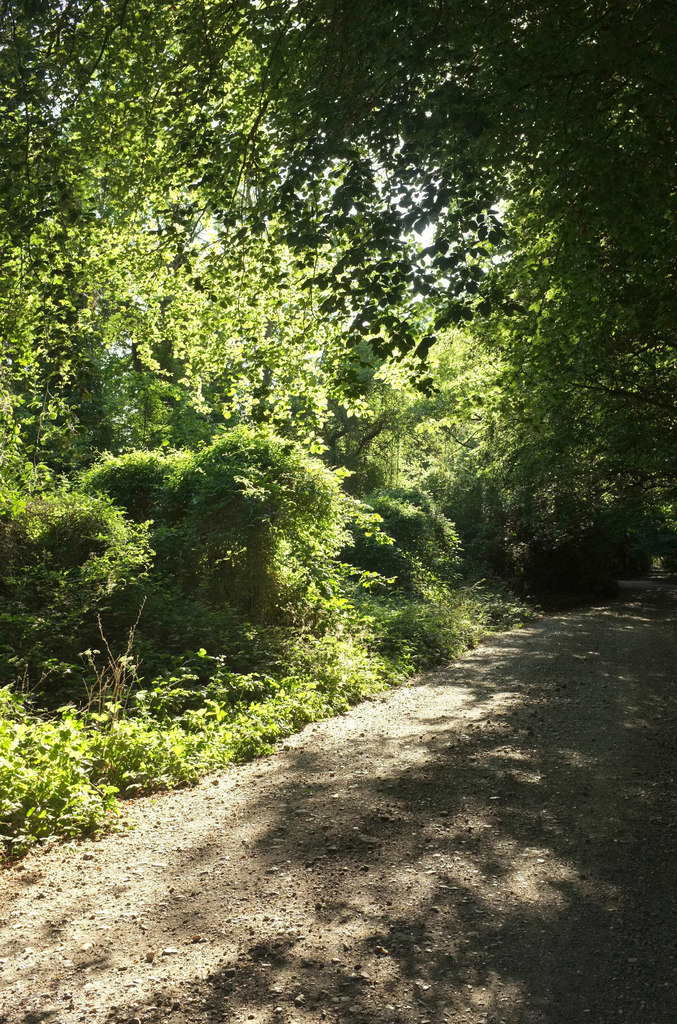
499	849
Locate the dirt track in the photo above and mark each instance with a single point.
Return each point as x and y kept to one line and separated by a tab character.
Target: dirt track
496	843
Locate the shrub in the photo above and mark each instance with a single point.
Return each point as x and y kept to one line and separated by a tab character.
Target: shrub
46	766
65	558
425	541
422	634
72	548
142	483
250	521
60	775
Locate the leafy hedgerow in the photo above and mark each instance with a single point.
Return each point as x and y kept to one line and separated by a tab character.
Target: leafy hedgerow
63	774
251	521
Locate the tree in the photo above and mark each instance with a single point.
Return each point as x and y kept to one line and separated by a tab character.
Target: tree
195	190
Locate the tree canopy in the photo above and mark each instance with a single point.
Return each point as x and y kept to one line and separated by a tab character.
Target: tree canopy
216	211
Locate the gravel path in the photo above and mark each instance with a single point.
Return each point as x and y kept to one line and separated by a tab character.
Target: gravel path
495	843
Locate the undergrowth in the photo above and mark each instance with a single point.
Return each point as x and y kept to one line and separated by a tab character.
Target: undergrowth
175	612
64	772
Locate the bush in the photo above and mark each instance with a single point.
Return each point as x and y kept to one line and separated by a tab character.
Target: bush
70	547
45	776
425	541
62	774
250	521
142	483
422	634
65	558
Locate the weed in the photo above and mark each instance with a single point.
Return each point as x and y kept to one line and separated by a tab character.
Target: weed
113	681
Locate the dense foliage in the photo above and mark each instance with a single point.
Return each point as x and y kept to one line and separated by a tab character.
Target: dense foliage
249	521
426	544
210	620
313	315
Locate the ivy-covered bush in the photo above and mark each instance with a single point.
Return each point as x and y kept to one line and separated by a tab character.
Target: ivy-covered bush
250	521
140	482
65	558
425	542
73	547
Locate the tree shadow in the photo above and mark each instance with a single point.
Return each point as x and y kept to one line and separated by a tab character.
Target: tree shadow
503	853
